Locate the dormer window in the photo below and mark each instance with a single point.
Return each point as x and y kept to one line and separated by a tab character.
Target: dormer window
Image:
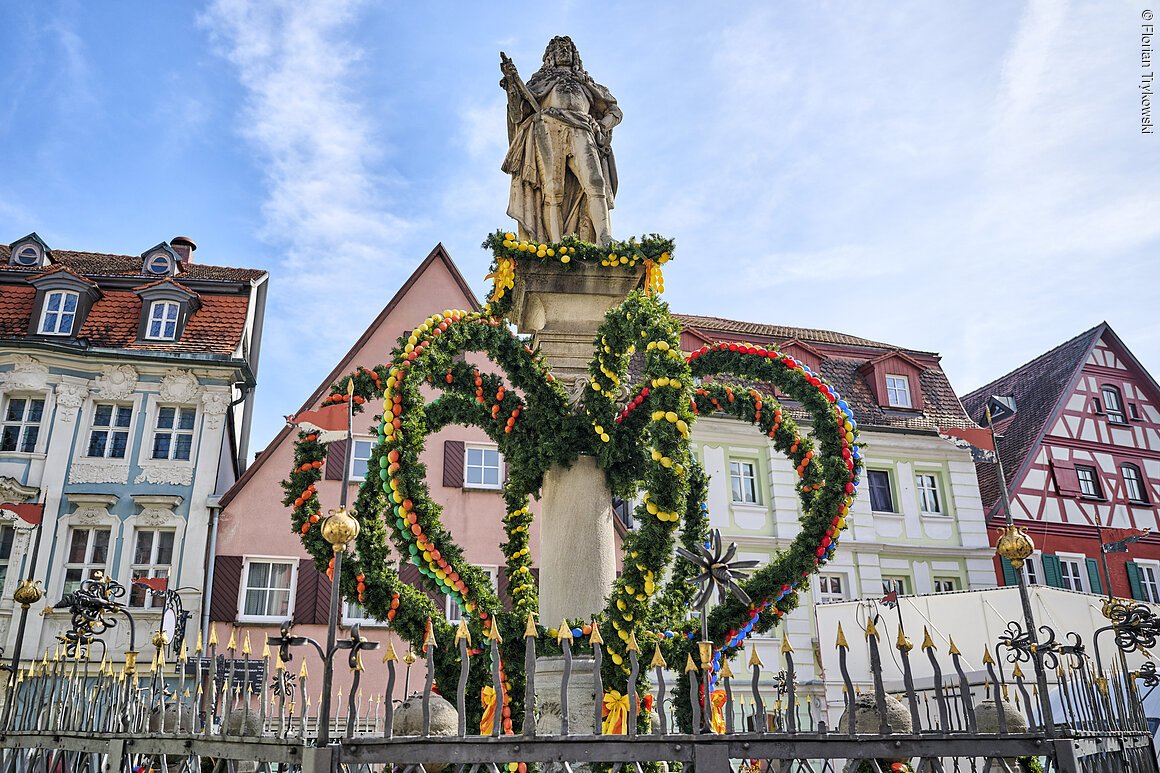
898	391
60	312
163	316
29	252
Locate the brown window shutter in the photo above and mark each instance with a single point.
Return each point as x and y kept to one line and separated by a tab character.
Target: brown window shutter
453	463
322	599
335	459
227	579
306	594
501	589
1066	479
409	574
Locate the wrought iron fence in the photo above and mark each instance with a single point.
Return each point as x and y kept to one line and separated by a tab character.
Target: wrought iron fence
69	713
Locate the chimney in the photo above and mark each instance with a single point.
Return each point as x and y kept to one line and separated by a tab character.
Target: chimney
184	247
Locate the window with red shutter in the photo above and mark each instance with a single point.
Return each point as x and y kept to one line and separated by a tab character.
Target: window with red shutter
1066	478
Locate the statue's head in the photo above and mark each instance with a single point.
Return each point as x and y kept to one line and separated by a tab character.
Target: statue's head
561	52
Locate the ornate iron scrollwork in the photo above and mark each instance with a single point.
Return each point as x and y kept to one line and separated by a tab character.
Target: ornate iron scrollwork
1148	674
1135	625
1021	648
94	607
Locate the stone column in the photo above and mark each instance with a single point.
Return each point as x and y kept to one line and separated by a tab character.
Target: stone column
562	310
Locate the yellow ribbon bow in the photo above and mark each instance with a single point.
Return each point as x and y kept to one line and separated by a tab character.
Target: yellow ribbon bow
717	718
504	276
654	282
615	712
487	698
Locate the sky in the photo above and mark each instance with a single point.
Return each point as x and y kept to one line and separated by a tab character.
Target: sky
958	177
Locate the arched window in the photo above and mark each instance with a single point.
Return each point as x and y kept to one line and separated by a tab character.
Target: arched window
1113	404
1134	483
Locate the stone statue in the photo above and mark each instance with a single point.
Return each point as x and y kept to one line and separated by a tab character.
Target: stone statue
560	156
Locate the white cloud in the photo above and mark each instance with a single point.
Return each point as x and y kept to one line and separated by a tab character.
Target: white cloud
326	207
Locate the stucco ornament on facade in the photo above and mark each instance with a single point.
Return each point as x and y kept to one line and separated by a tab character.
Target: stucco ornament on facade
70	396
15	492
179	386
157	510
116	382
26	373
216	403
98	472
166	473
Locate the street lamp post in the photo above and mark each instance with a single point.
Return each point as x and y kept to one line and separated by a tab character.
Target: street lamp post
1015	545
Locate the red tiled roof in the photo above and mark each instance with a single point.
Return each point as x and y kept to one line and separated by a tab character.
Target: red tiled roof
215	328
101	264
839	367
775	332
1037	387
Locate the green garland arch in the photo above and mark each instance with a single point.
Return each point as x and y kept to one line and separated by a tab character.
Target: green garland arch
644	439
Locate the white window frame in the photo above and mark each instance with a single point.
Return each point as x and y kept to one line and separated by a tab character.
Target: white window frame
168	326
1118	414
1032	569
173	432
370	447
60	313
87	566
467	466
152	567
24	423
825	591
953	582
244	587
898	393
935	491
1136	476
1080	564
896	582
349	619
890	491
109	429
452	611
738	478
1150	586
1095	482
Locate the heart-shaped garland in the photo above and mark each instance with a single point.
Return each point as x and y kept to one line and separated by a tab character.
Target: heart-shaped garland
534	429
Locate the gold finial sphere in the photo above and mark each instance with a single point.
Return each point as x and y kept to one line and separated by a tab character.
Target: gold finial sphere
1014	545
27	593
410	657
160	639
340	528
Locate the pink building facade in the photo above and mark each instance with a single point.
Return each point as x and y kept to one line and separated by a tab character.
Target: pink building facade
262	576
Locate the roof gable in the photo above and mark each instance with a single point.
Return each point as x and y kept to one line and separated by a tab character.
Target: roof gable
1040	388
409	306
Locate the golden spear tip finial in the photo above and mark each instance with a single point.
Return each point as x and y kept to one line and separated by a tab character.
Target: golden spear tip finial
786	647
303	672
246	648
927	641
1017	672
461	632
725	672
493	632
987	659
953	649
754	658
279	666
841	642
213	637
198	647
563	633
232	644
632	644
530	630
183	656
689	664
595	638
390	656
658	660
429	636
871	629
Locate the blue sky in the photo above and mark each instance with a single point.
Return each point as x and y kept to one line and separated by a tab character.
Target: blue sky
959	177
